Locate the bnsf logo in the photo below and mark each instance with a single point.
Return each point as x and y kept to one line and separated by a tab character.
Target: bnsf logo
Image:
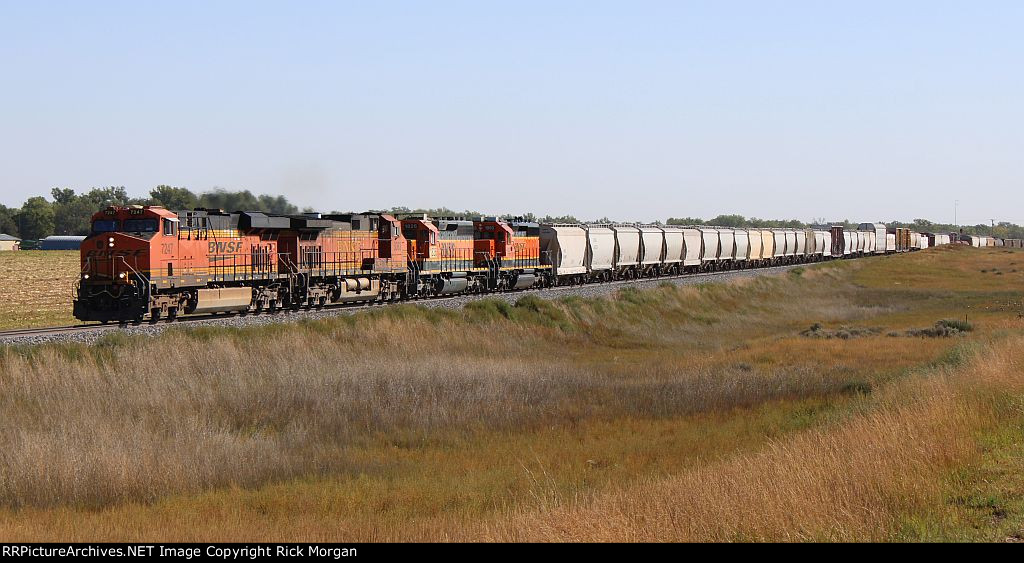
110	253
225	247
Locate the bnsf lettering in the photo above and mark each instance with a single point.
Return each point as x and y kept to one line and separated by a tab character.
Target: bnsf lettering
225	247
110	253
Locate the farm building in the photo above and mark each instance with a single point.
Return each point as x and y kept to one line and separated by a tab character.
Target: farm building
7	242
55	242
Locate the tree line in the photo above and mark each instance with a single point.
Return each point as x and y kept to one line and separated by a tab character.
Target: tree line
447	212
69	213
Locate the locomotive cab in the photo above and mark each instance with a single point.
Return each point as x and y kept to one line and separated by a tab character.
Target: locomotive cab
124	249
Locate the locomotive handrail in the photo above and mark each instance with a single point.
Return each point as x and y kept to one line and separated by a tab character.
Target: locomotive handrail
134	271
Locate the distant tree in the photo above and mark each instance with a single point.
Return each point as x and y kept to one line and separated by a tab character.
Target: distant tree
105	197
684	221
435	212
71	213
276	204
8	223
558	219
63	195
729	221
173	198
922	225
36	218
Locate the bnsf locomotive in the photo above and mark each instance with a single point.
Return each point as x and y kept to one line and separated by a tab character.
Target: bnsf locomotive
147	262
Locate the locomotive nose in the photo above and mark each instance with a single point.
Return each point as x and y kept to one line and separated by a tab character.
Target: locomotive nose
114	258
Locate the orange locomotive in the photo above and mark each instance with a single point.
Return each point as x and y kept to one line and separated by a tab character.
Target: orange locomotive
147	262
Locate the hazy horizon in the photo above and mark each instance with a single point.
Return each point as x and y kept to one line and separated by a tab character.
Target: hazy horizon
642	110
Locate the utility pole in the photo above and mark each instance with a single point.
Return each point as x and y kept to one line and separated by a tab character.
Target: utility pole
956	202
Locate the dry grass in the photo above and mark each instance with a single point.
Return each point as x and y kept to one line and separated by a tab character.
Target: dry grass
37	287
676	413
850	481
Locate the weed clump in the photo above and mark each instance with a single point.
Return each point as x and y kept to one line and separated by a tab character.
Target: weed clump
857	388
845	333
943	329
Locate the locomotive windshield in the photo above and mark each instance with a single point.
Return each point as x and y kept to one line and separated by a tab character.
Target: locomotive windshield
104	226
129	226
140	226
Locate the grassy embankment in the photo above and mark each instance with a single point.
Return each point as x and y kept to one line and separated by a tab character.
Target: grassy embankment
37	288
698	413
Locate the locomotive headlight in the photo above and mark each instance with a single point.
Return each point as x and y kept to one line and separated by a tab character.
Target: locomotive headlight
110	240
111	245
85	276
121	275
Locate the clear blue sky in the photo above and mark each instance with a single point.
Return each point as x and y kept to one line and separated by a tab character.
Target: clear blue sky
635	110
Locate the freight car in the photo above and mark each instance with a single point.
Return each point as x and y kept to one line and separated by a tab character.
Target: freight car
147	263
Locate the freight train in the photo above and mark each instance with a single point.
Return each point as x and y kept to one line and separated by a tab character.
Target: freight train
147	263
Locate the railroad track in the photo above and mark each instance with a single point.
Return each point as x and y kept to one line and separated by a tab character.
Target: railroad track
50	330
284	315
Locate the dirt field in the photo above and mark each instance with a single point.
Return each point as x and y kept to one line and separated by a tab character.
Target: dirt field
827	403
37	287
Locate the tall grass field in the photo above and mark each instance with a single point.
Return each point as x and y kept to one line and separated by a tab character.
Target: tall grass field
871	400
